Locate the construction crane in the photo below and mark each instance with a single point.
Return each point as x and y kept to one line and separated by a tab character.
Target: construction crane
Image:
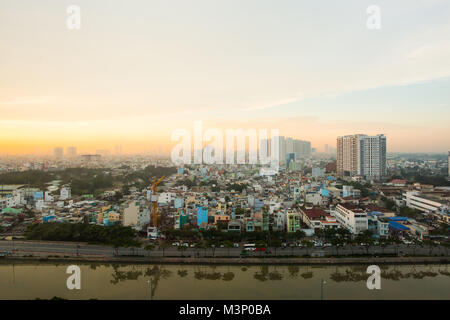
155	200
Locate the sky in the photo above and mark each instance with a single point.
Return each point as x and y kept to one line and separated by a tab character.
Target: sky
137	70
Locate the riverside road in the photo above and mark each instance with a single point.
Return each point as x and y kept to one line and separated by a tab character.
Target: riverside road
72	249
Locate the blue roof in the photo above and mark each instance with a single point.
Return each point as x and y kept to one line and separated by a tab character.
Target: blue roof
398	218
397	226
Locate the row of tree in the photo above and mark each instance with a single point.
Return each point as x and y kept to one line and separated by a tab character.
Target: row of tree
78	232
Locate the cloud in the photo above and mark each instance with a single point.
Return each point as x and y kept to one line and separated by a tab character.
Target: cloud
25	101
274	104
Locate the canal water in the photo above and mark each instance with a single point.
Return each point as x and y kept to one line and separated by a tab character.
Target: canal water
128	281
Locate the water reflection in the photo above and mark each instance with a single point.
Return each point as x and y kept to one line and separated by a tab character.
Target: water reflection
358	273
141	281
271	273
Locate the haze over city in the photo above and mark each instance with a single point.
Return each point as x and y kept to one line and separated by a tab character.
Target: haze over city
230	157
134	73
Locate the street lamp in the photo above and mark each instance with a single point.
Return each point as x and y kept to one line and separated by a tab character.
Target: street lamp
14	247
322	282
150	282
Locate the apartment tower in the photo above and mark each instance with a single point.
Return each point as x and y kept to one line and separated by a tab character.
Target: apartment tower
361	155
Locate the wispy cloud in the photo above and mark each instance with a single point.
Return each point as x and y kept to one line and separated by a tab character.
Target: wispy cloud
274	103
25	101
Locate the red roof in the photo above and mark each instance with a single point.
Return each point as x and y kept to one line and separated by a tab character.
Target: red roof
315	213
348	206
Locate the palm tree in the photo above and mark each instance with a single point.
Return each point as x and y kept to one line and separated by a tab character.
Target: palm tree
276	244
201	245
163	246
336	242
182	249
228	245
148	248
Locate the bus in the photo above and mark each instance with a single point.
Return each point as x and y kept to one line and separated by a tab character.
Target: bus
249	246
152	233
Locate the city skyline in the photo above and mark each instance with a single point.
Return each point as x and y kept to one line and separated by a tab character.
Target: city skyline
133	74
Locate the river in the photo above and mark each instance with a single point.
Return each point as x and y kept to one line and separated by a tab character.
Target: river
45	280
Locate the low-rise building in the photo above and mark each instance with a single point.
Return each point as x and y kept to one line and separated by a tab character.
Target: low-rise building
351	218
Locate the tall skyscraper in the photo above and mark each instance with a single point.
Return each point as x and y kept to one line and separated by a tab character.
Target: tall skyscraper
372	157
58	152
302	148
289	145
282	148
347	156
361	155
264	147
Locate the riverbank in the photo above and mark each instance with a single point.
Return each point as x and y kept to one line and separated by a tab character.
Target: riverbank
239	261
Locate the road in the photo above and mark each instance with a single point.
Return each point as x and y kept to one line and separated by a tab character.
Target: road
72	249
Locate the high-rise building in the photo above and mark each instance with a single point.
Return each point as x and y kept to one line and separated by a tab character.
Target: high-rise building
302	148
448	162
289	145
347	156
58	152
361	155
264	148
372	157
290	157
281	148
72	151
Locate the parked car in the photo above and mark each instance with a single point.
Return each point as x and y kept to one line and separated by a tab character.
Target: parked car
236	245
176	244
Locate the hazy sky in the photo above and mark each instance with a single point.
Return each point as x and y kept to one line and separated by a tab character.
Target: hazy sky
137	70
